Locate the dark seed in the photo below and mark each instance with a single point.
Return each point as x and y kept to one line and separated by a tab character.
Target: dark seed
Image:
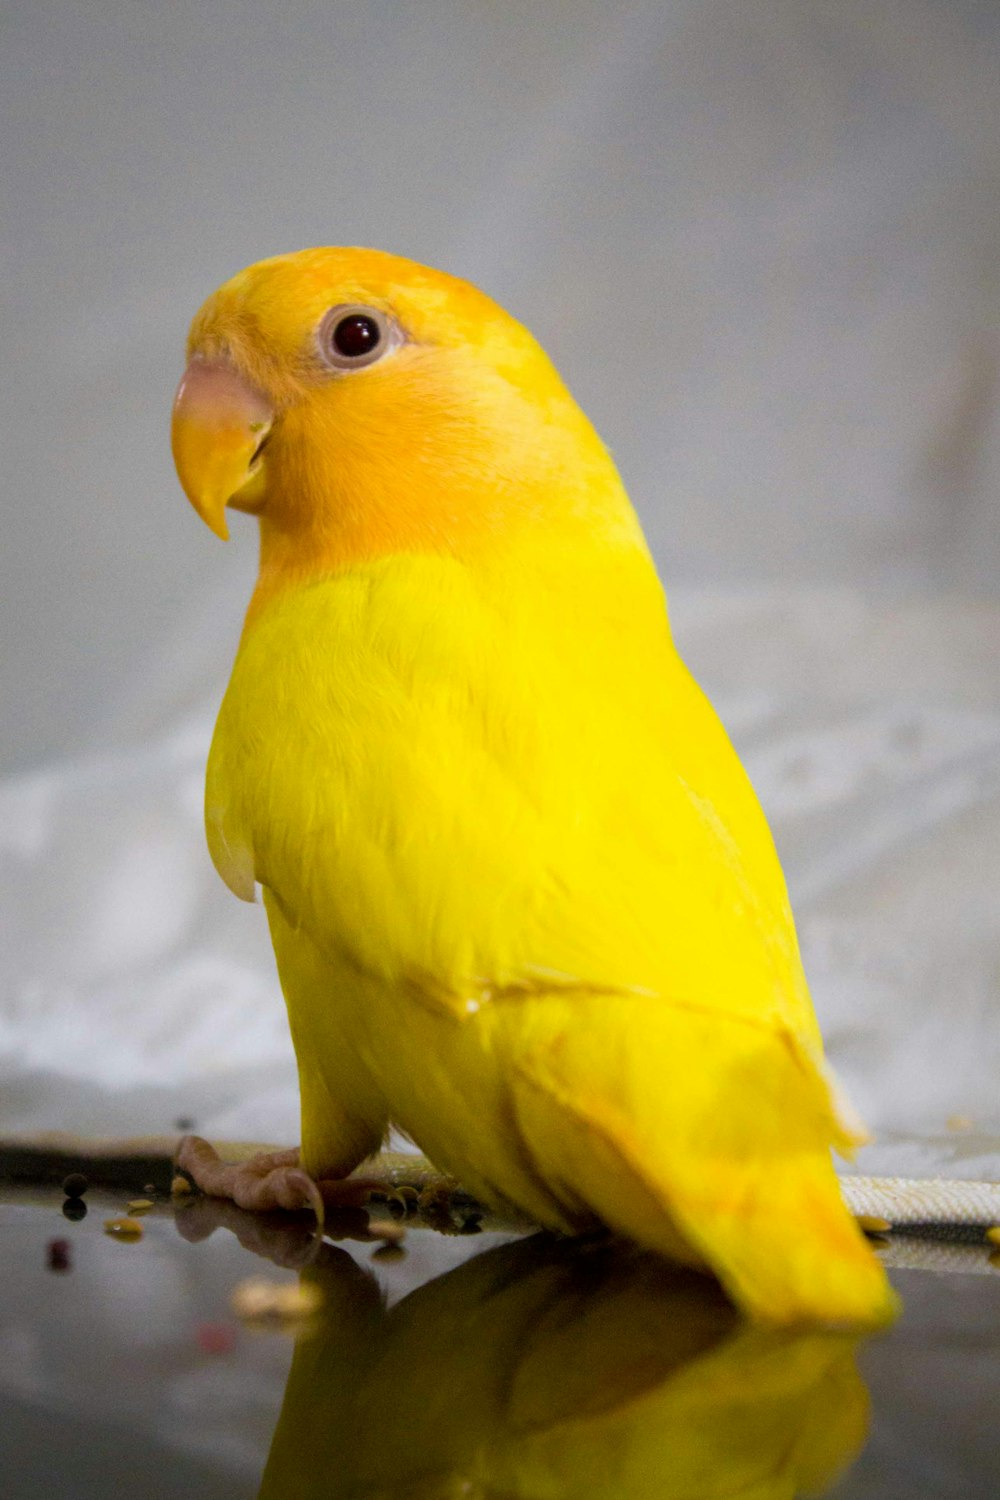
58	1255
184	1123
75	1185
74	1208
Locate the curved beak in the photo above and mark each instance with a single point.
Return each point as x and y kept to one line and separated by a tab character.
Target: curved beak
219	427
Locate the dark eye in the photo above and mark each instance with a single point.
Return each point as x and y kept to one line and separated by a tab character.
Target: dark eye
353	336
356	335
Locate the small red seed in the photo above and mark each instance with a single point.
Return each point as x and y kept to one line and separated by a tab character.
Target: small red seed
216	1338
59	1255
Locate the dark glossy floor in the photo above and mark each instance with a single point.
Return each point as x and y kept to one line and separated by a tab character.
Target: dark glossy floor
475	1365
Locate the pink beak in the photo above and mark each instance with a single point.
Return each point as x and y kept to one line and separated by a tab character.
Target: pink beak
219	425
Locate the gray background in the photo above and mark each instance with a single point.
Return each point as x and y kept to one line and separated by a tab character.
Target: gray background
761	240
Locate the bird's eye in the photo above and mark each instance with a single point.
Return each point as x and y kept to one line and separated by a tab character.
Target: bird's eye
350	337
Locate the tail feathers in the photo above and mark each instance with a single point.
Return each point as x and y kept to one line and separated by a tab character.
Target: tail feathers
715	1150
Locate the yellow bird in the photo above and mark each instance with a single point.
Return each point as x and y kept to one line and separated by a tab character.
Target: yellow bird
524	903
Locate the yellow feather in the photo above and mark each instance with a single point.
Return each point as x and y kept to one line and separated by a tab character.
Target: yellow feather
523	898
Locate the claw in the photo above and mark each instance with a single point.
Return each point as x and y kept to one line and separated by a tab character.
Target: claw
202	1164
268	1180
293	1189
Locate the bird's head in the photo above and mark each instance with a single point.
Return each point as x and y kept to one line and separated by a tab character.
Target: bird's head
360	404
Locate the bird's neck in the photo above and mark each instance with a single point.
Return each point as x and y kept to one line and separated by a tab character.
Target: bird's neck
325	524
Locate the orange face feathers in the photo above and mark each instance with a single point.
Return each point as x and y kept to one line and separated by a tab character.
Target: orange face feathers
362	405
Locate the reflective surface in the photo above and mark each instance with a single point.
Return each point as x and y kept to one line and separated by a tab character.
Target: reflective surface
476	1365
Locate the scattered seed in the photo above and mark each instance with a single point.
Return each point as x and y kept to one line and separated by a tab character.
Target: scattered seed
258	1299
140	1205
436	1207
75	1185
872	1224
993	1235
389	1252
216	1338
386	1229
184	1123
958	1122
58	1255
149	1187
74	1209
123	1228
437	1194
180	1185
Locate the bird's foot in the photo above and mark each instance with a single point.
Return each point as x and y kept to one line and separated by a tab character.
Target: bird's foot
269	1180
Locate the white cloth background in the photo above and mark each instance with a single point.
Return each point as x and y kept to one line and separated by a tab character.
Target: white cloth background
760	239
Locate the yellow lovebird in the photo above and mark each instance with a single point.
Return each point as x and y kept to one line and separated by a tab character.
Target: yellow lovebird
524	903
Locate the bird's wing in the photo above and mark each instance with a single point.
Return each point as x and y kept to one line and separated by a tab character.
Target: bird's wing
478	794
671	1124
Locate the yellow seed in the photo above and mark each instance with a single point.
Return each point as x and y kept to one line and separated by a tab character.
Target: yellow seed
123	1228
256	1298
958	1122
386	1229
140	1205
389	1252
180	1184
872	1224
993	1235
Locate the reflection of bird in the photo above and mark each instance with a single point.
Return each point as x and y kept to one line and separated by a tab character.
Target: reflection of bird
541	1369
523	900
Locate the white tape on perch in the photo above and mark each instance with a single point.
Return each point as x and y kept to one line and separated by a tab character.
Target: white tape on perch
930	1200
